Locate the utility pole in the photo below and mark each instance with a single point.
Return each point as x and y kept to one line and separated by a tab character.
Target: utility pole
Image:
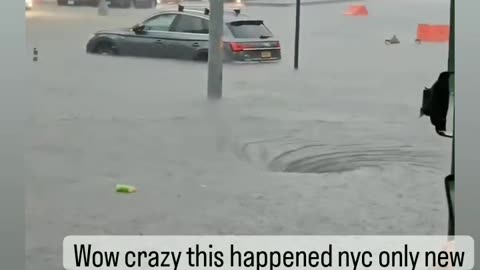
215	51
297	34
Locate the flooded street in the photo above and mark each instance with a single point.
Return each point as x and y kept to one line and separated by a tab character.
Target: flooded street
333	148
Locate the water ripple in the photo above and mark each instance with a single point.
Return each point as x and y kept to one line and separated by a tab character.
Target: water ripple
295	156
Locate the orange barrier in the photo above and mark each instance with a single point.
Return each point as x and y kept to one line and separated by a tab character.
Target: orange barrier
433	33
357	10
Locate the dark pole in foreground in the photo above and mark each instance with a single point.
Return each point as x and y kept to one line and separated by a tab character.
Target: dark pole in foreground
297	34
215	51
451	68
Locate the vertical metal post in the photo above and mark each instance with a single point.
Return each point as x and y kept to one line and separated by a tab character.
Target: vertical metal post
297	34
215	51
451	68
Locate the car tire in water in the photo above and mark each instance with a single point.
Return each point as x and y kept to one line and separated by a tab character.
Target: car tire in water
202	57
105	48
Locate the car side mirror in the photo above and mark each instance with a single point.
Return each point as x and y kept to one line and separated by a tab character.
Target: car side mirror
138	28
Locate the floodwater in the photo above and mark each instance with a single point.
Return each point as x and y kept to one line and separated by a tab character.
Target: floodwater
335	147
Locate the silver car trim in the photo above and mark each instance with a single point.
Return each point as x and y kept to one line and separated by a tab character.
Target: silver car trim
262	49
183	33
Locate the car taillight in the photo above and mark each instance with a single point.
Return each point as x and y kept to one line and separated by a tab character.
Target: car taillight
277	44
237	47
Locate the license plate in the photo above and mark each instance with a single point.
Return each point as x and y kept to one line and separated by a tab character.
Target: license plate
71	2
266	54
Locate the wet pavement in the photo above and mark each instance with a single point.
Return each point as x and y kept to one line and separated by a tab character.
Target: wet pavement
333	148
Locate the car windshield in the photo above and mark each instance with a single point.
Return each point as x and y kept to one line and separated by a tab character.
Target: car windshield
249	29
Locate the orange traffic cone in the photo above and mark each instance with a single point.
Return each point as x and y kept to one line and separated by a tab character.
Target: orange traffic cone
356	10
432	33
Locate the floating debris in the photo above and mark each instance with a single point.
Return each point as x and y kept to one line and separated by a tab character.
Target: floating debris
126	189
393	40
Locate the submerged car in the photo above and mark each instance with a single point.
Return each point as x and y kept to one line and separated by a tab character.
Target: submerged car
111	3
184	33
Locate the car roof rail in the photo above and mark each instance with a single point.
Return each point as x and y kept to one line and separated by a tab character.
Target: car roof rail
206	10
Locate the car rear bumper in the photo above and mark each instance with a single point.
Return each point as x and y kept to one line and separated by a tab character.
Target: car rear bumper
249	56
253	62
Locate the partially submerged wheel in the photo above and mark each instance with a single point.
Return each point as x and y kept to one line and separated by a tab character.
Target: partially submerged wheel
201	57
105	49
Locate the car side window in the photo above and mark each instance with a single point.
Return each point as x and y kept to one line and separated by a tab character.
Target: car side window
190	24
160	22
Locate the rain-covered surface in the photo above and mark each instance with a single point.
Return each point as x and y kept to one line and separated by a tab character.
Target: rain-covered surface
333	148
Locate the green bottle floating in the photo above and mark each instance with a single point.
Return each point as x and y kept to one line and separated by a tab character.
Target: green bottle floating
126	189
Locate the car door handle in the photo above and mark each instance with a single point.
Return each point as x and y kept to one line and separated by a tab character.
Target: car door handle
160	41
196	44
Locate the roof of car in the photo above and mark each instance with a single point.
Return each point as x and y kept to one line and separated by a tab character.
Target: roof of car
229	15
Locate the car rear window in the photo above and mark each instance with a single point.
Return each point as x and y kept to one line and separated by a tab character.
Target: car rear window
249	29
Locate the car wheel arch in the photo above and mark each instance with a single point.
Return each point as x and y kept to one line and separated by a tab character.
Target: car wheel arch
105	41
